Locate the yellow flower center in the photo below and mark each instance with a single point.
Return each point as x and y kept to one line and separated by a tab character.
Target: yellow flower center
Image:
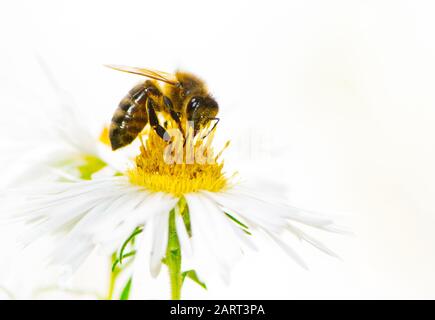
178	167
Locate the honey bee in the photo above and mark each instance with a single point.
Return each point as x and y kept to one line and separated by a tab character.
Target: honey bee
181	96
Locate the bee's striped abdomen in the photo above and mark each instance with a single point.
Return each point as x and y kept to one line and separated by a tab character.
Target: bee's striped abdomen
130	117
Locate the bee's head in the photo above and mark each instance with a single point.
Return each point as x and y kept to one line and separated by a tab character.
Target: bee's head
201	110
189	84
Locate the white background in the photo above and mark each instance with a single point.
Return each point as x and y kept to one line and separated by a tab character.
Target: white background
334	99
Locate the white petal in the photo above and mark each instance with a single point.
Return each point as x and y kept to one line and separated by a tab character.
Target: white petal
255	214
106	210
142	211
294	213
118	161
72	253
303	236
288	250
337	229
160	242
244	238
265	213
92	218
59	216
158	214
119	210
211	226
105	172
153	204
241	235
203	259
143	241
183	237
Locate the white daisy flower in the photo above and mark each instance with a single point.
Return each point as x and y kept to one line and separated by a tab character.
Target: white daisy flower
55	143
193	218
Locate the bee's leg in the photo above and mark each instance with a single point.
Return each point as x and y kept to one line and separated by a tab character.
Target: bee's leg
174	115
154	121
141	142
214	126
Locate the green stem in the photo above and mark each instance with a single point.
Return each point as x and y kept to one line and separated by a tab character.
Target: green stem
113	276
173	259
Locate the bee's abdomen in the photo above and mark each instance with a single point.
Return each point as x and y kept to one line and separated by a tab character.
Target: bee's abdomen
130	117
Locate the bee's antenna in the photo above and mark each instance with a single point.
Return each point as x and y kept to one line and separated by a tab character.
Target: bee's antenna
214	126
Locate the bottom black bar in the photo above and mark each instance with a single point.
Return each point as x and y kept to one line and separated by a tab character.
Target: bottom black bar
217	309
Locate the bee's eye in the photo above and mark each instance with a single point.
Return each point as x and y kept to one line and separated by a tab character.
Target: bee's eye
193	105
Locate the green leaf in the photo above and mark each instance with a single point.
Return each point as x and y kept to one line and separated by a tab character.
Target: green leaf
91	165
126	291
191	274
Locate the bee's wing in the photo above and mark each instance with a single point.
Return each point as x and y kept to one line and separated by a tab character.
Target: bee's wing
153	74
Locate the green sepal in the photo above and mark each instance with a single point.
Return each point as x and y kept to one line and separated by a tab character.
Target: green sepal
184	212
118	261
131	239
245	228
